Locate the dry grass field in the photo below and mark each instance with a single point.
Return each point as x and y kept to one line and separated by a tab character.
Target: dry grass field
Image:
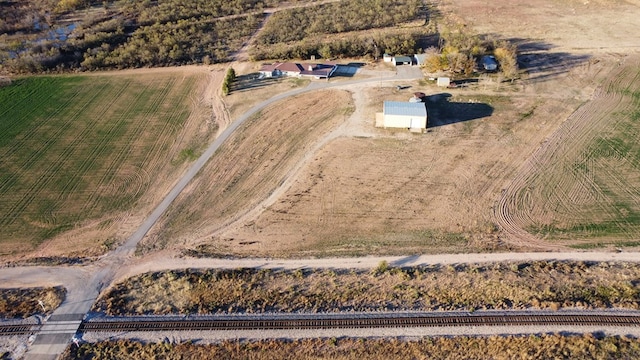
85	157
250	165
474	181
22	303
525	347
542	285
544	162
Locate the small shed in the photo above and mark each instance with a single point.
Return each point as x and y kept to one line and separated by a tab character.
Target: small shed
401	60
408	115
443	81
387	58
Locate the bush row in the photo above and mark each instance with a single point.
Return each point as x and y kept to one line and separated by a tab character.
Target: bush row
545	346
465	287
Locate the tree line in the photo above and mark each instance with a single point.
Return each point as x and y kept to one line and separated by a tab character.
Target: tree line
132	33
354	45
126	34
344	16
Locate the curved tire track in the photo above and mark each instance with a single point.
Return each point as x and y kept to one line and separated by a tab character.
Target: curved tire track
515	208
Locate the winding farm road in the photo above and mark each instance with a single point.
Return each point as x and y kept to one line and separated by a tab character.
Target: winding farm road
84	284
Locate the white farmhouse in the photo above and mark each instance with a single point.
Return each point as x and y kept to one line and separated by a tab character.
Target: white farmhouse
407	115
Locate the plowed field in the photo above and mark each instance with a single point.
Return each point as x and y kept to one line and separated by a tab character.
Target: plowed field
82	157
582	186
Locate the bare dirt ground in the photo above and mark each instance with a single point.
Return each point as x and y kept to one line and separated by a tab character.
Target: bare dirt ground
250	165
359	190
575	26
368	191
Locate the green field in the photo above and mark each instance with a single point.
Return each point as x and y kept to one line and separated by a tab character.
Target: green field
591	186
81	150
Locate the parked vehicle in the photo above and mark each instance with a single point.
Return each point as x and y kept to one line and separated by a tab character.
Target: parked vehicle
489	63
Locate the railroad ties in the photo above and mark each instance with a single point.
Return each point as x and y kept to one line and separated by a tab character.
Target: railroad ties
355	321
19	329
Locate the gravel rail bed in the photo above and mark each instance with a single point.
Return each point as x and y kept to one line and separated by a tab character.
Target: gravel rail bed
406	330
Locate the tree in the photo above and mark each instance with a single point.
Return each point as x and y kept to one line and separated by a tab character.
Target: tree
325	51
506	55
228	80
231	75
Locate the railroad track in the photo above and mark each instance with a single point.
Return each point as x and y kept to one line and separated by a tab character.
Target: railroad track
351	321
19	329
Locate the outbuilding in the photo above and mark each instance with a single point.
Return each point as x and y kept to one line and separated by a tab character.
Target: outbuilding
407	115
401	60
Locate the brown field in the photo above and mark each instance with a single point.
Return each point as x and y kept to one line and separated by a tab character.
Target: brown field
545	346
461	187
250	165
22	303
311	176
470	287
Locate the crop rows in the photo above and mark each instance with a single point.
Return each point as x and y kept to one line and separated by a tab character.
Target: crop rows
582	182
86	149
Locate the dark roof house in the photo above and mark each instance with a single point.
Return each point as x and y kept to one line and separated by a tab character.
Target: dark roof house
318	71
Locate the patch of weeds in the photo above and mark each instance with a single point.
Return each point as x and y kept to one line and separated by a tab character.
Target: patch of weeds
188	154
544	346
382	268
53	261
590	245
296	82
22	303
109	244
541	284
527	114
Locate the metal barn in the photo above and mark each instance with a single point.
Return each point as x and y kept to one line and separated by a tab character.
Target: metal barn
408	115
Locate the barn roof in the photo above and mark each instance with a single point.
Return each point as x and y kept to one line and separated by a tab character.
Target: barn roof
402	59
404	108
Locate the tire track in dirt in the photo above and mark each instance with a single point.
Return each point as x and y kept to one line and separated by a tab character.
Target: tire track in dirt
134	180
154	157
99	151
90	158
351	127
283	185
119	157
219	113
516	204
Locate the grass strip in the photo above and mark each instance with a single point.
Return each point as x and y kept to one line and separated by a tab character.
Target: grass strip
545	346
539	284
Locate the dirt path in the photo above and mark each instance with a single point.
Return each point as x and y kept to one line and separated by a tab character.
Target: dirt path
354	125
